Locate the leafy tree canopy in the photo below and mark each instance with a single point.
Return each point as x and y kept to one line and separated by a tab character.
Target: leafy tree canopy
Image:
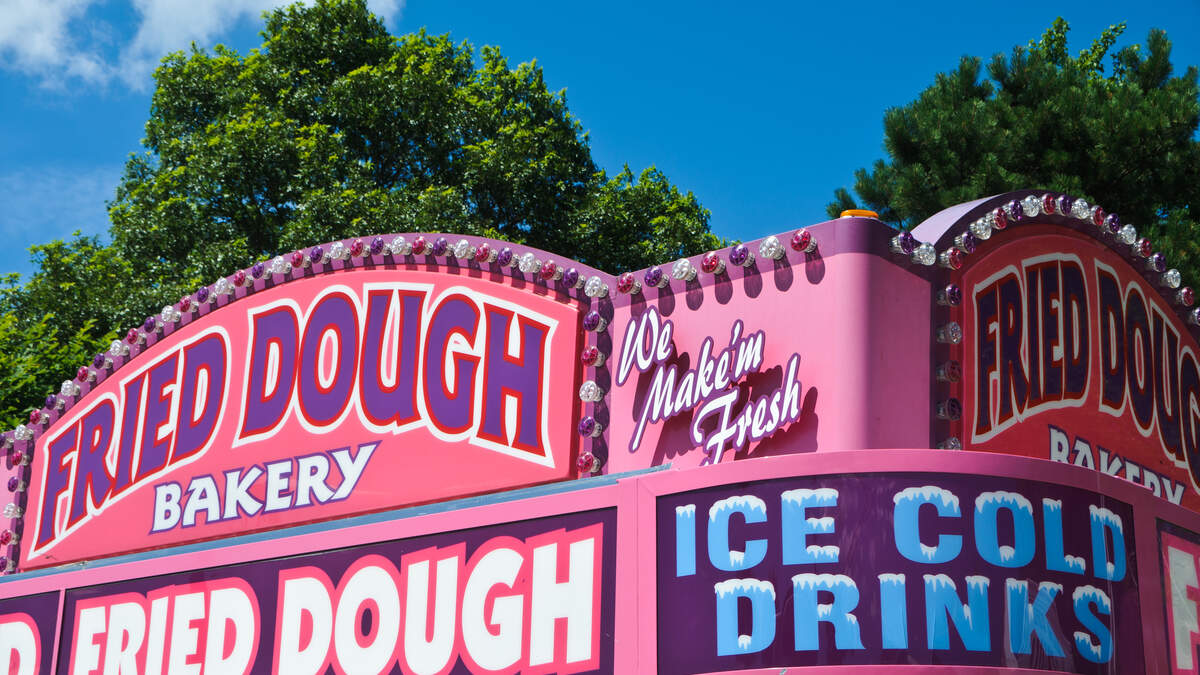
1041	118
332	128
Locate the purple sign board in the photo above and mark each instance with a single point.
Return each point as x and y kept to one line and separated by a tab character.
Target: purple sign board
27	629
894	569
534	596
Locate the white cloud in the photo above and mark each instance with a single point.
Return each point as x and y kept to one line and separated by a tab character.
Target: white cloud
35	38
51	202
63	41
169	25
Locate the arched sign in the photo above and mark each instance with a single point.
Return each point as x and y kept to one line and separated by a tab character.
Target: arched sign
334	391
1076	346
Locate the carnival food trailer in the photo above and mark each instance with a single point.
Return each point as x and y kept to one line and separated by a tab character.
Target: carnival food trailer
969	448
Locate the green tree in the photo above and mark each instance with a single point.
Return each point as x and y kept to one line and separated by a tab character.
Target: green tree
56	321
1125	139
34	356
75	283
333	128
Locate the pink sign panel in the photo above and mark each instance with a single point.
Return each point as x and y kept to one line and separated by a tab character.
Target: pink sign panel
323	397
770	353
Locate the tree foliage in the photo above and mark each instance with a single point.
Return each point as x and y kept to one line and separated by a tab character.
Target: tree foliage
334	128
33	355
1125	138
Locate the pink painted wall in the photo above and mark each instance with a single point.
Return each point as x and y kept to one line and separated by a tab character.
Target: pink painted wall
637	580
845	311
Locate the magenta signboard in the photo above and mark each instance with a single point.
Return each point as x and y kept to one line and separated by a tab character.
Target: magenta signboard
1180	559
952	569
532	596
318	398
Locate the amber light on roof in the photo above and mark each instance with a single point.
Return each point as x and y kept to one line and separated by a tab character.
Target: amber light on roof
858	213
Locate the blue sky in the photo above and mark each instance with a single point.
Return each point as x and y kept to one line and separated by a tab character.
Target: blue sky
760	109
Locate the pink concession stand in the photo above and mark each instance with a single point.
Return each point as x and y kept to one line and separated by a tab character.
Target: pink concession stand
969	448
